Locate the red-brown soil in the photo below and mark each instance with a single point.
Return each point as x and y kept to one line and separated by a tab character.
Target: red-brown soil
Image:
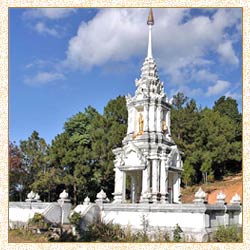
229	186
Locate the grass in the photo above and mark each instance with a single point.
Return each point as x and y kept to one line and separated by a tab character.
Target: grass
26	236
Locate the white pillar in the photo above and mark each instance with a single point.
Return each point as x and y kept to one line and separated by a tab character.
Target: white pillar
170	186
133	120
146	118
145	185
145	180
149	178
155	180
163	188
179	188
151	117
178	161
124	187
176	187
158	119
132	188
168	121
118	192
167	180
155	117
130	122
138	187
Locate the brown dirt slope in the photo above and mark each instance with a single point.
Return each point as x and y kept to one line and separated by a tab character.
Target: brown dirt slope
229	186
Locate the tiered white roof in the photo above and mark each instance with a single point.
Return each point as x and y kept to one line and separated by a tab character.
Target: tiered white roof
149	84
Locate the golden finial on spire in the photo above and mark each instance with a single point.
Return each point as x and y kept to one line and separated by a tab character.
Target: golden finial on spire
150	17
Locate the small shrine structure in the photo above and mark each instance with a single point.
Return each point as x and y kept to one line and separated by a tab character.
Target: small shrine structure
149	157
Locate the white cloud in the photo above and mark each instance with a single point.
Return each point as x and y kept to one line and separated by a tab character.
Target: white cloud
42	78
227	53
218	88
236	91
113	35
235	95
179	48
187	91
41	28
41	64
50	13
204	75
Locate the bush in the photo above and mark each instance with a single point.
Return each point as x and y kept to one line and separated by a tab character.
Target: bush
144	233
104	232
38	221
100	231
227	234
177	233
162	236
75	220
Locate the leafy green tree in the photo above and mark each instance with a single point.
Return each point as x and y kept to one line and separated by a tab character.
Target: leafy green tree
17	174
71	154
115	120
184	120
210	139
229	107
80	159
178	118
46	184
179	100
216	136
206	169
188	173
34	152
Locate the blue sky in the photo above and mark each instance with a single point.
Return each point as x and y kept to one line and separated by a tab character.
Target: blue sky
62	60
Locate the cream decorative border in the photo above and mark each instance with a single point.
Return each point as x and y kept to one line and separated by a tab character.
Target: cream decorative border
5	4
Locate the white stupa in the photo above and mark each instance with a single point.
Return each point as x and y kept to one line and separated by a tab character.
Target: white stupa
149	156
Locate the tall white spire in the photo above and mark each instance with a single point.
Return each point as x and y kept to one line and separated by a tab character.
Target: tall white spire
150	23
149	84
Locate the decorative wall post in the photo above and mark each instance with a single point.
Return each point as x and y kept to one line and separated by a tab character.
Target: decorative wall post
221	198
86	201
101	198
33	197
235	200
200	197
63	198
